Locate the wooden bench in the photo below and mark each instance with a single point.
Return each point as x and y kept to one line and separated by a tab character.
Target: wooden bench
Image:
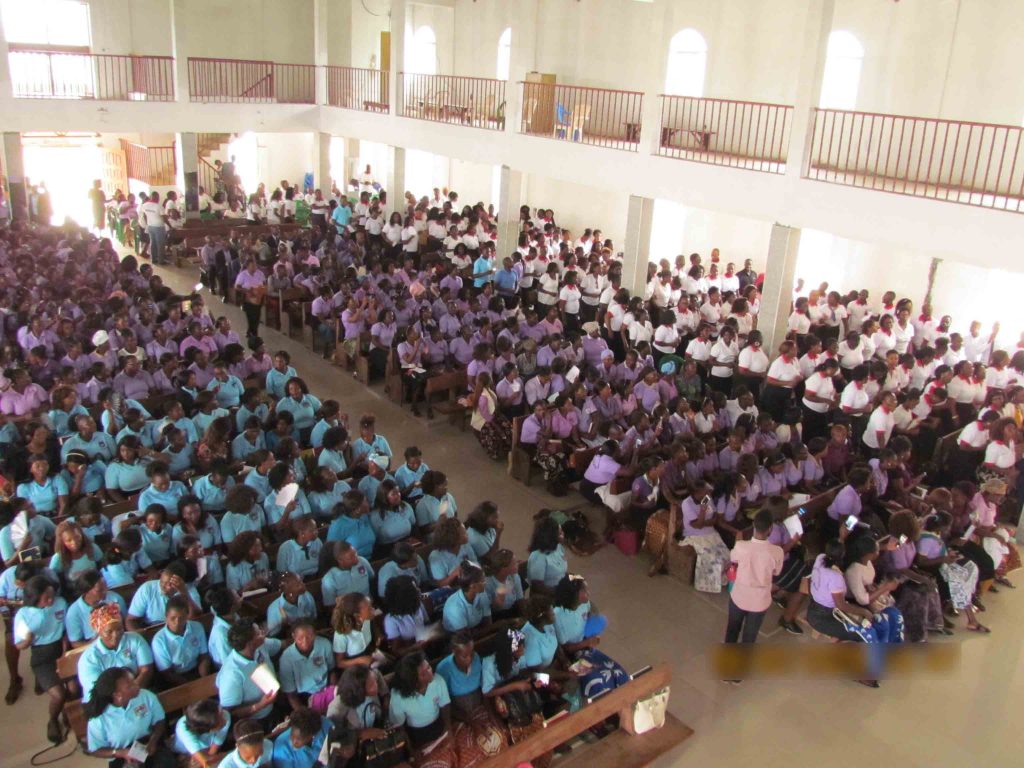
173	700
618	750
453	384
520	460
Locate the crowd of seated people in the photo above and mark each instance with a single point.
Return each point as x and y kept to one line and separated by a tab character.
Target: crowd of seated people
175	508
671	394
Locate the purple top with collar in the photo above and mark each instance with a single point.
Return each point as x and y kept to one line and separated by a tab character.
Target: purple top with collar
826	582
846	502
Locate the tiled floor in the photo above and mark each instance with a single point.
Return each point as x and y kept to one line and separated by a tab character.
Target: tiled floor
965	719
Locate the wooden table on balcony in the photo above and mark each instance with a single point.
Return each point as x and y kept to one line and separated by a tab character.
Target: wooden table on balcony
455	110
703	138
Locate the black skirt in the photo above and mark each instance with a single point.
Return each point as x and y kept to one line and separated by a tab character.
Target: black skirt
44	664
420	737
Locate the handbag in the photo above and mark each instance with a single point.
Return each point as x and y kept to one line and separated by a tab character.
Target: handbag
522	706
646	714
386	752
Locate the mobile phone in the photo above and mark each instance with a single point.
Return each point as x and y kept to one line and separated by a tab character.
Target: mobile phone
802	511
30	554
903	539
543	678
186	306
851	522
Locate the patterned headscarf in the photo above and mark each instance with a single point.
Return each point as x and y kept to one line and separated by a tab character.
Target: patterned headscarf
103	615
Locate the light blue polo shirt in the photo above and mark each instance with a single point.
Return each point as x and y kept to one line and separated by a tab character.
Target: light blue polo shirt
514	592
323	503
459	613
337	582
303	410
179	461
188	743
275	512
202	421
240	574
45	624
179	653
394	525
41	528
299	559
379	445
460	683
306	674
443	562
84	563
234	687
547	568
241	446
481	542
304	608
286	756
430	509
369	485
208	535
9	589
157	544
540	645
357	531
262	412
492	679
230	392
390	569
127	478
76	621
353	643
100	446
44	497
62	420
150	603
569	624
132	652
234	523
118	727
405	478
258	483
217	643
211	497
168	498
95	478
276	381
419	710
316	437
233	760
334	460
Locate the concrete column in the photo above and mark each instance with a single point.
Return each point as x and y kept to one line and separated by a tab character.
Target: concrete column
654	77
6	87
186	157
637	250
352	169
511	196
777	296
321	21
523	59
322	163
14	165
180	49
396	180
813	45
399	14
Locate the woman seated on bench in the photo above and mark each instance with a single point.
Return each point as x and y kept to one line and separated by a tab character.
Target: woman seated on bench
578	628
120	714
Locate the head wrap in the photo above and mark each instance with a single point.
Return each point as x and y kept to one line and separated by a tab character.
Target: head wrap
994	485
104	615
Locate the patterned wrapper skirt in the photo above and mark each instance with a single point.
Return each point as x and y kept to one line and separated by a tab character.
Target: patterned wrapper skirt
712	561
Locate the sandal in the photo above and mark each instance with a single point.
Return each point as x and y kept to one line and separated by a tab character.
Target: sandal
14	691
1005	582
55	732
979	628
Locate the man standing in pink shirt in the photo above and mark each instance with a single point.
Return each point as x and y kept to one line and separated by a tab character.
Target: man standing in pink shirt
756	561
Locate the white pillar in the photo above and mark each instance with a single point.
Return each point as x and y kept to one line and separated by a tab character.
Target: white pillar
637	248
814	47
14	166
523	59
352	169
396	180
777	296
511	196
322	164
179	49
321	21
186	159
399	13
6	86
654	77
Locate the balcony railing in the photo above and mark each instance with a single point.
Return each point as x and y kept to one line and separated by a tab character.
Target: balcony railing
155	166
106	77
362	89
237	81
979	164
598	116
474	101
738	134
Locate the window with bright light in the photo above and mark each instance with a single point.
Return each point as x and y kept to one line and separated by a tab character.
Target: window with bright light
46	22
245	152
841	79
687	64
668	224
422	54
504	54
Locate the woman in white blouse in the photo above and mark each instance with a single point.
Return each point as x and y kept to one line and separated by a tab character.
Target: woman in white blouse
819	400
783	376
722	357
752	363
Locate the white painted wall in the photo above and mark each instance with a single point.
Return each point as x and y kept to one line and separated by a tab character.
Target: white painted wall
285	156
578	207
472	181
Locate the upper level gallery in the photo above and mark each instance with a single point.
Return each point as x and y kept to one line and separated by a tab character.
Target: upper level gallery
798	111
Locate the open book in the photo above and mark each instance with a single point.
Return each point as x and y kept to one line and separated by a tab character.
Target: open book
265	679
794	526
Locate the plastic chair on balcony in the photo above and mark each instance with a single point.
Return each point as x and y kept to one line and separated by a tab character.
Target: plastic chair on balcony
563	118
579	118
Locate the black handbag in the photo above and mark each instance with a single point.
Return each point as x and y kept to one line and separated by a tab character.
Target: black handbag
386	752
522	706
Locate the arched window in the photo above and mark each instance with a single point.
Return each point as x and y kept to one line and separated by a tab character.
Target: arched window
422	54
841	79
504	53
687	63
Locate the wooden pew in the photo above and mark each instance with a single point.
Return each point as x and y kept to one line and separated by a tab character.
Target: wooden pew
618	750
173	700
393	378
520	462
452	383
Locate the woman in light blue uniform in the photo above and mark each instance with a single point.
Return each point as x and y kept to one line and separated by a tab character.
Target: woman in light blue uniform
92	590
243	513
404	562
294	603
578	628
369	443
353	641
303	407
126	559
451	548
326	492
248	565
162	490
41	529
157	537
179	648
392	519
352	524
305	664
195	521
468	607
279	375
121	713
203	730
405	617
224	604
249	440
149	603
484	526
436	502
66	409
251	406
228	389
420	702
546	565
347	572
409	476
462	672
212	489
74	552
237	692
280	516
126	475
47	494
39	625
332	454
252	748
329	412
113	647
504	587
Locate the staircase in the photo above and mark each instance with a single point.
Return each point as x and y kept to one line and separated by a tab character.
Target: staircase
211	147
